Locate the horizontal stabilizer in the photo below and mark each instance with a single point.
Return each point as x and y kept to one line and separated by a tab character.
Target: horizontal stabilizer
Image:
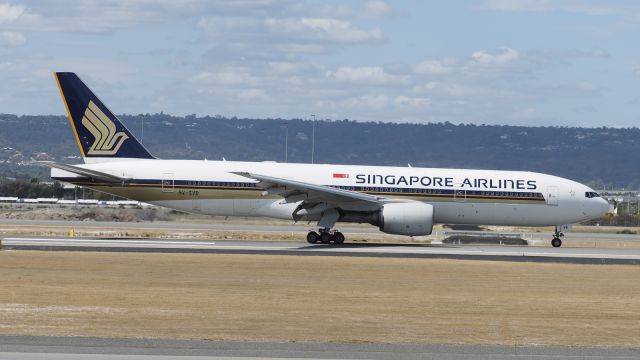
96	175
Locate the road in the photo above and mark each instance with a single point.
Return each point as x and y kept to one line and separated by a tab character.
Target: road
36	348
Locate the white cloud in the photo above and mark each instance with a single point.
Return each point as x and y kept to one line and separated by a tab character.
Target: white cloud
301	31
373	9
377	9
252	94
362	103
519	5
474	87
10	12
583	88
499	57
300	48
336	30
329	10
97	16
10	66
227	77
434	67
413	102
285	67
592	8
444	89
284	57
368	102
284	35
365	75
290	67
12	38
524	114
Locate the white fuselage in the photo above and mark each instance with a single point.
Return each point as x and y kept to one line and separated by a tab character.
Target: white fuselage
458	196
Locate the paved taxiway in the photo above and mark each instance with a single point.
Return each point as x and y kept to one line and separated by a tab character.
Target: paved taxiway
468	252
543	235
36	348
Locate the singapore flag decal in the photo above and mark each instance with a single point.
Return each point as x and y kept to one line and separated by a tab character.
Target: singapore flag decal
340	176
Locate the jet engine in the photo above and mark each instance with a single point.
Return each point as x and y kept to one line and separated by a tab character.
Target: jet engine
413	219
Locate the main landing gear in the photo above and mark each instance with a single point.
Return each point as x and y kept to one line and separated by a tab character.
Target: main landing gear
325	236
557	234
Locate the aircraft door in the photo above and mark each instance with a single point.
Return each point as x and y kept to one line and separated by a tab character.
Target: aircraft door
460	195
552	195
167	182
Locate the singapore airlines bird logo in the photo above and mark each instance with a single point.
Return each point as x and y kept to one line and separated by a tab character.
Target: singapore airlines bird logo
107	140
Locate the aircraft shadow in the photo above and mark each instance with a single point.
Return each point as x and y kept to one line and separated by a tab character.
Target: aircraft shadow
375	245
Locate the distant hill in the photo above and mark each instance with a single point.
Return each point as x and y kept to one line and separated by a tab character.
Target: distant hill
598	156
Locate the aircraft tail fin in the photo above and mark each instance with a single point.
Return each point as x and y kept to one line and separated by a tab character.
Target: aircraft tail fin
99	133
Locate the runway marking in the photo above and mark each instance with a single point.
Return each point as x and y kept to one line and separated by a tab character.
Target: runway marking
275	248
487	252
102	242
71	356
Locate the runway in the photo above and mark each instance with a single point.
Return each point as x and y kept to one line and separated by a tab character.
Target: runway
36	348
495	253
279	228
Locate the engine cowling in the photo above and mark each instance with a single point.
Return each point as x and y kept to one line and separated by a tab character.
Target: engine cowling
413	219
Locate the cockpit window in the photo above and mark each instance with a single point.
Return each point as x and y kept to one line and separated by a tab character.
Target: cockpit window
591	194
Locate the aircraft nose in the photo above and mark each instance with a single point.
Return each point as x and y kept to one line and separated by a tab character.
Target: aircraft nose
603	206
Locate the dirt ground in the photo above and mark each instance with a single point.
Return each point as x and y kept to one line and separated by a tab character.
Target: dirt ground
260	297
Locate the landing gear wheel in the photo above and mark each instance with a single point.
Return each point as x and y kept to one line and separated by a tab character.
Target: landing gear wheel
556	242
313	237
325	238
338	238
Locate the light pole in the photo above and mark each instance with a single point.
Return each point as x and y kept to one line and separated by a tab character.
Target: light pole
313	137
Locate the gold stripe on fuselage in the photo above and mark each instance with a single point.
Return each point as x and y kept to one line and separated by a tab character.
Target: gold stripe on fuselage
154	192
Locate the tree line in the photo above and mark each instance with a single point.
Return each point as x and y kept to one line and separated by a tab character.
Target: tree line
600	157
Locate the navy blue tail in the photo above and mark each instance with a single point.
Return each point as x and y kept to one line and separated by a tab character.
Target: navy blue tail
99	133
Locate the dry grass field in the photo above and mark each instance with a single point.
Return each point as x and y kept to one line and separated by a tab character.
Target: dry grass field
259	297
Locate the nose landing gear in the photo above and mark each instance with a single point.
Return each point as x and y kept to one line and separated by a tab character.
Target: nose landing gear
557	242
325	236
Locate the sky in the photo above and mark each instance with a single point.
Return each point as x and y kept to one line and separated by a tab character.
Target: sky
515	62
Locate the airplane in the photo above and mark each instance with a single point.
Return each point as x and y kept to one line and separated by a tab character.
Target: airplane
398	200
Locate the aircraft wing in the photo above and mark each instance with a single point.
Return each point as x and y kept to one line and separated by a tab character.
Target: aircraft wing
294	191
93	174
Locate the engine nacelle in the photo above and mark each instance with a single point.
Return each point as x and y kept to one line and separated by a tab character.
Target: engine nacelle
413	219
